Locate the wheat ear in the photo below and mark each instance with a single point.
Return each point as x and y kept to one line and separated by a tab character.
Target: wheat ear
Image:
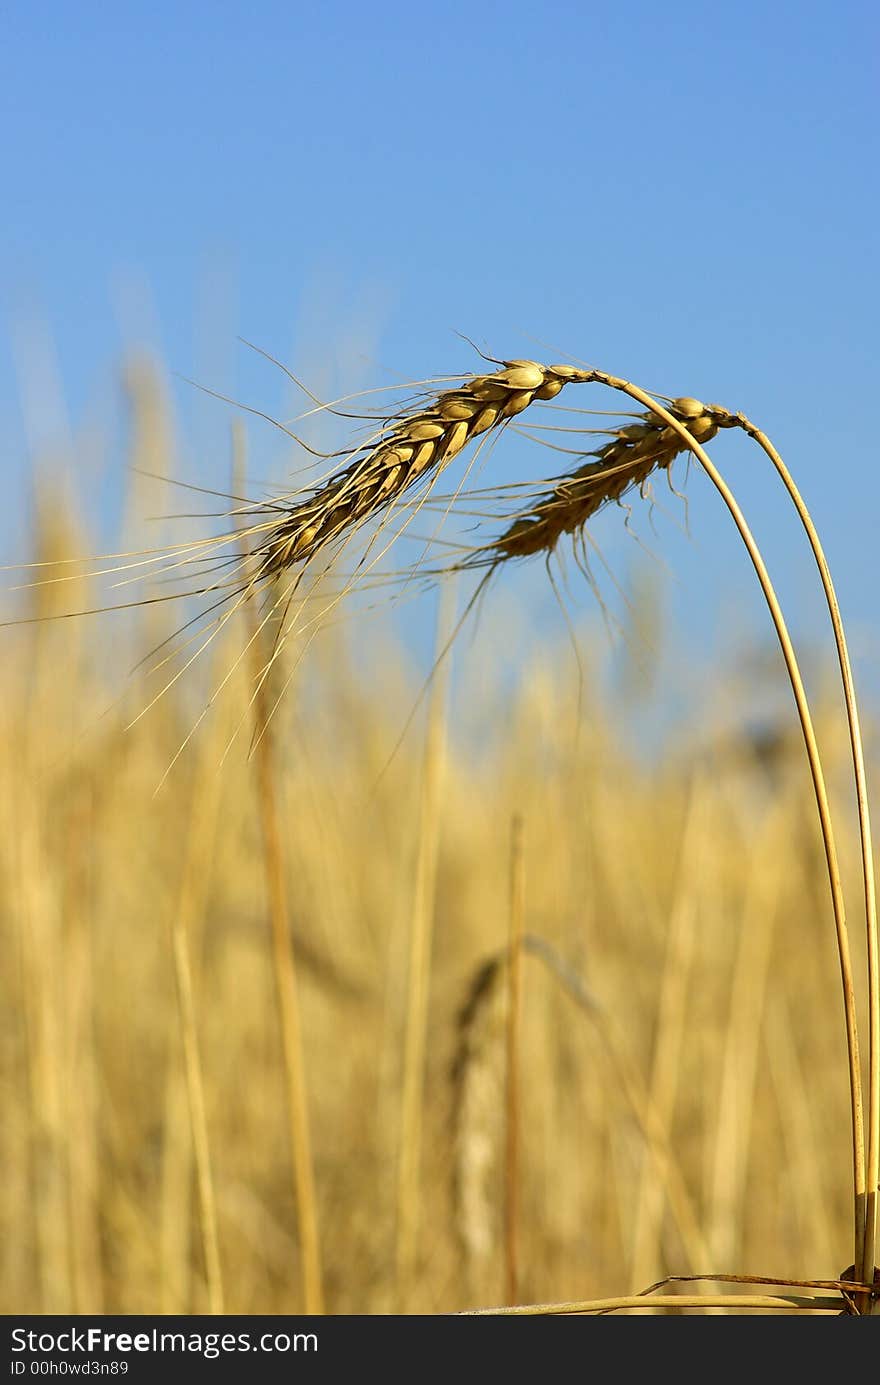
406	450
636	451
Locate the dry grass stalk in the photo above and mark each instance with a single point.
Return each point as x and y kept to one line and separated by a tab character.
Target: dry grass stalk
198	1119
81	1076
742	1045
638	1303
667	1065
175	1270
791	1084
186	926
40	942
189	906
284	963
478	1085
419	977
514	1039
46	955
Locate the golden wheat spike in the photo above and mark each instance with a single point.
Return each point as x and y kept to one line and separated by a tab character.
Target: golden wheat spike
406	451
628	460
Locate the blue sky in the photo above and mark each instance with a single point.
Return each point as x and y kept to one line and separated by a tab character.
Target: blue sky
685	194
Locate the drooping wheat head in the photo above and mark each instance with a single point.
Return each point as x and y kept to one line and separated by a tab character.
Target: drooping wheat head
635	452
407	449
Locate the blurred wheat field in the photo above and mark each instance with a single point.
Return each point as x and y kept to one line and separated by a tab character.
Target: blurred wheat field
689	1115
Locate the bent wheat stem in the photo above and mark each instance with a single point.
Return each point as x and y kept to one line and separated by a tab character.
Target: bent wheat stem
817	774
872	1172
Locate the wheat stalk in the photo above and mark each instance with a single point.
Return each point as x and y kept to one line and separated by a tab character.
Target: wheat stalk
284	959
513	1114
477	1082
778	1303
421	940
872	1142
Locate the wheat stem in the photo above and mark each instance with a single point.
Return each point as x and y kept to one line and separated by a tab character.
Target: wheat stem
418	987
816	771
198	1118
872	1172
516	915
796	1303
285	967
662	1088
